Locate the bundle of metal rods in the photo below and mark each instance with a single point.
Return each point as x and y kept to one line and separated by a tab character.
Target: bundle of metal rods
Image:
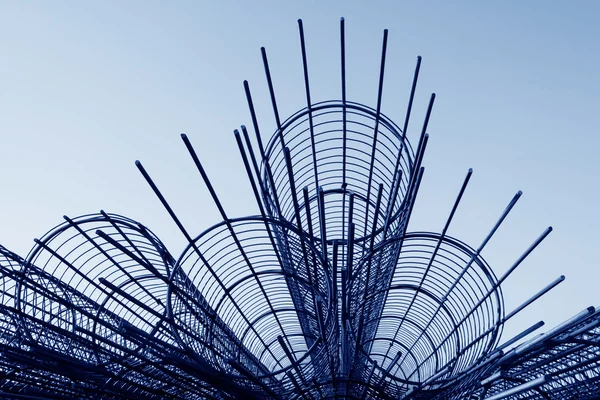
324	294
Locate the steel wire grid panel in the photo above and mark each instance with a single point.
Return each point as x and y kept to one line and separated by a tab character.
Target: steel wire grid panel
324	294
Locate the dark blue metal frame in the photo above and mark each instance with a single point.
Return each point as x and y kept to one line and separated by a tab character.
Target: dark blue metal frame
325	294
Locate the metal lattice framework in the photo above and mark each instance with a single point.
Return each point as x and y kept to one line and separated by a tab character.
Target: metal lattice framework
324	294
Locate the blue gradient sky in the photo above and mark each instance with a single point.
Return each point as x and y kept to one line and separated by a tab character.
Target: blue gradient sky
88	88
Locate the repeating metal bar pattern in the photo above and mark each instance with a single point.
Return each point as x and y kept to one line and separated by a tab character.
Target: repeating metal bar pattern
325	294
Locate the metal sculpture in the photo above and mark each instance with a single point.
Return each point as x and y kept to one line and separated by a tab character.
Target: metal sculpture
325	294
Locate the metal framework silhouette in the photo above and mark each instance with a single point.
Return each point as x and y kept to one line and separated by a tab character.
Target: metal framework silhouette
324	294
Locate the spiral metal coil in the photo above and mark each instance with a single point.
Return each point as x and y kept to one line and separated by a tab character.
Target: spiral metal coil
325	294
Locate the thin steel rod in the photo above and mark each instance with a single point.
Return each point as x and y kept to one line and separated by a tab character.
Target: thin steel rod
392	201
308	103
307	211
322	222
234	236
376	128
396	186
261	149
521	335
344	120
263	53
255	191
288	162
533	298
344	116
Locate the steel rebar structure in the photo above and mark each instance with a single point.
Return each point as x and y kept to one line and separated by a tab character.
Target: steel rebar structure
324	294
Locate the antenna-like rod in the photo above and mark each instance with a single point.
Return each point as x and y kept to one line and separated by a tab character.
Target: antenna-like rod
376	128
308	104
263	52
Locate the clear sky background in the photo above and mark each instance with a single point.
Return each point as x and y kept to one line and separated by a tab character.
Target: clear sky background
87	88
